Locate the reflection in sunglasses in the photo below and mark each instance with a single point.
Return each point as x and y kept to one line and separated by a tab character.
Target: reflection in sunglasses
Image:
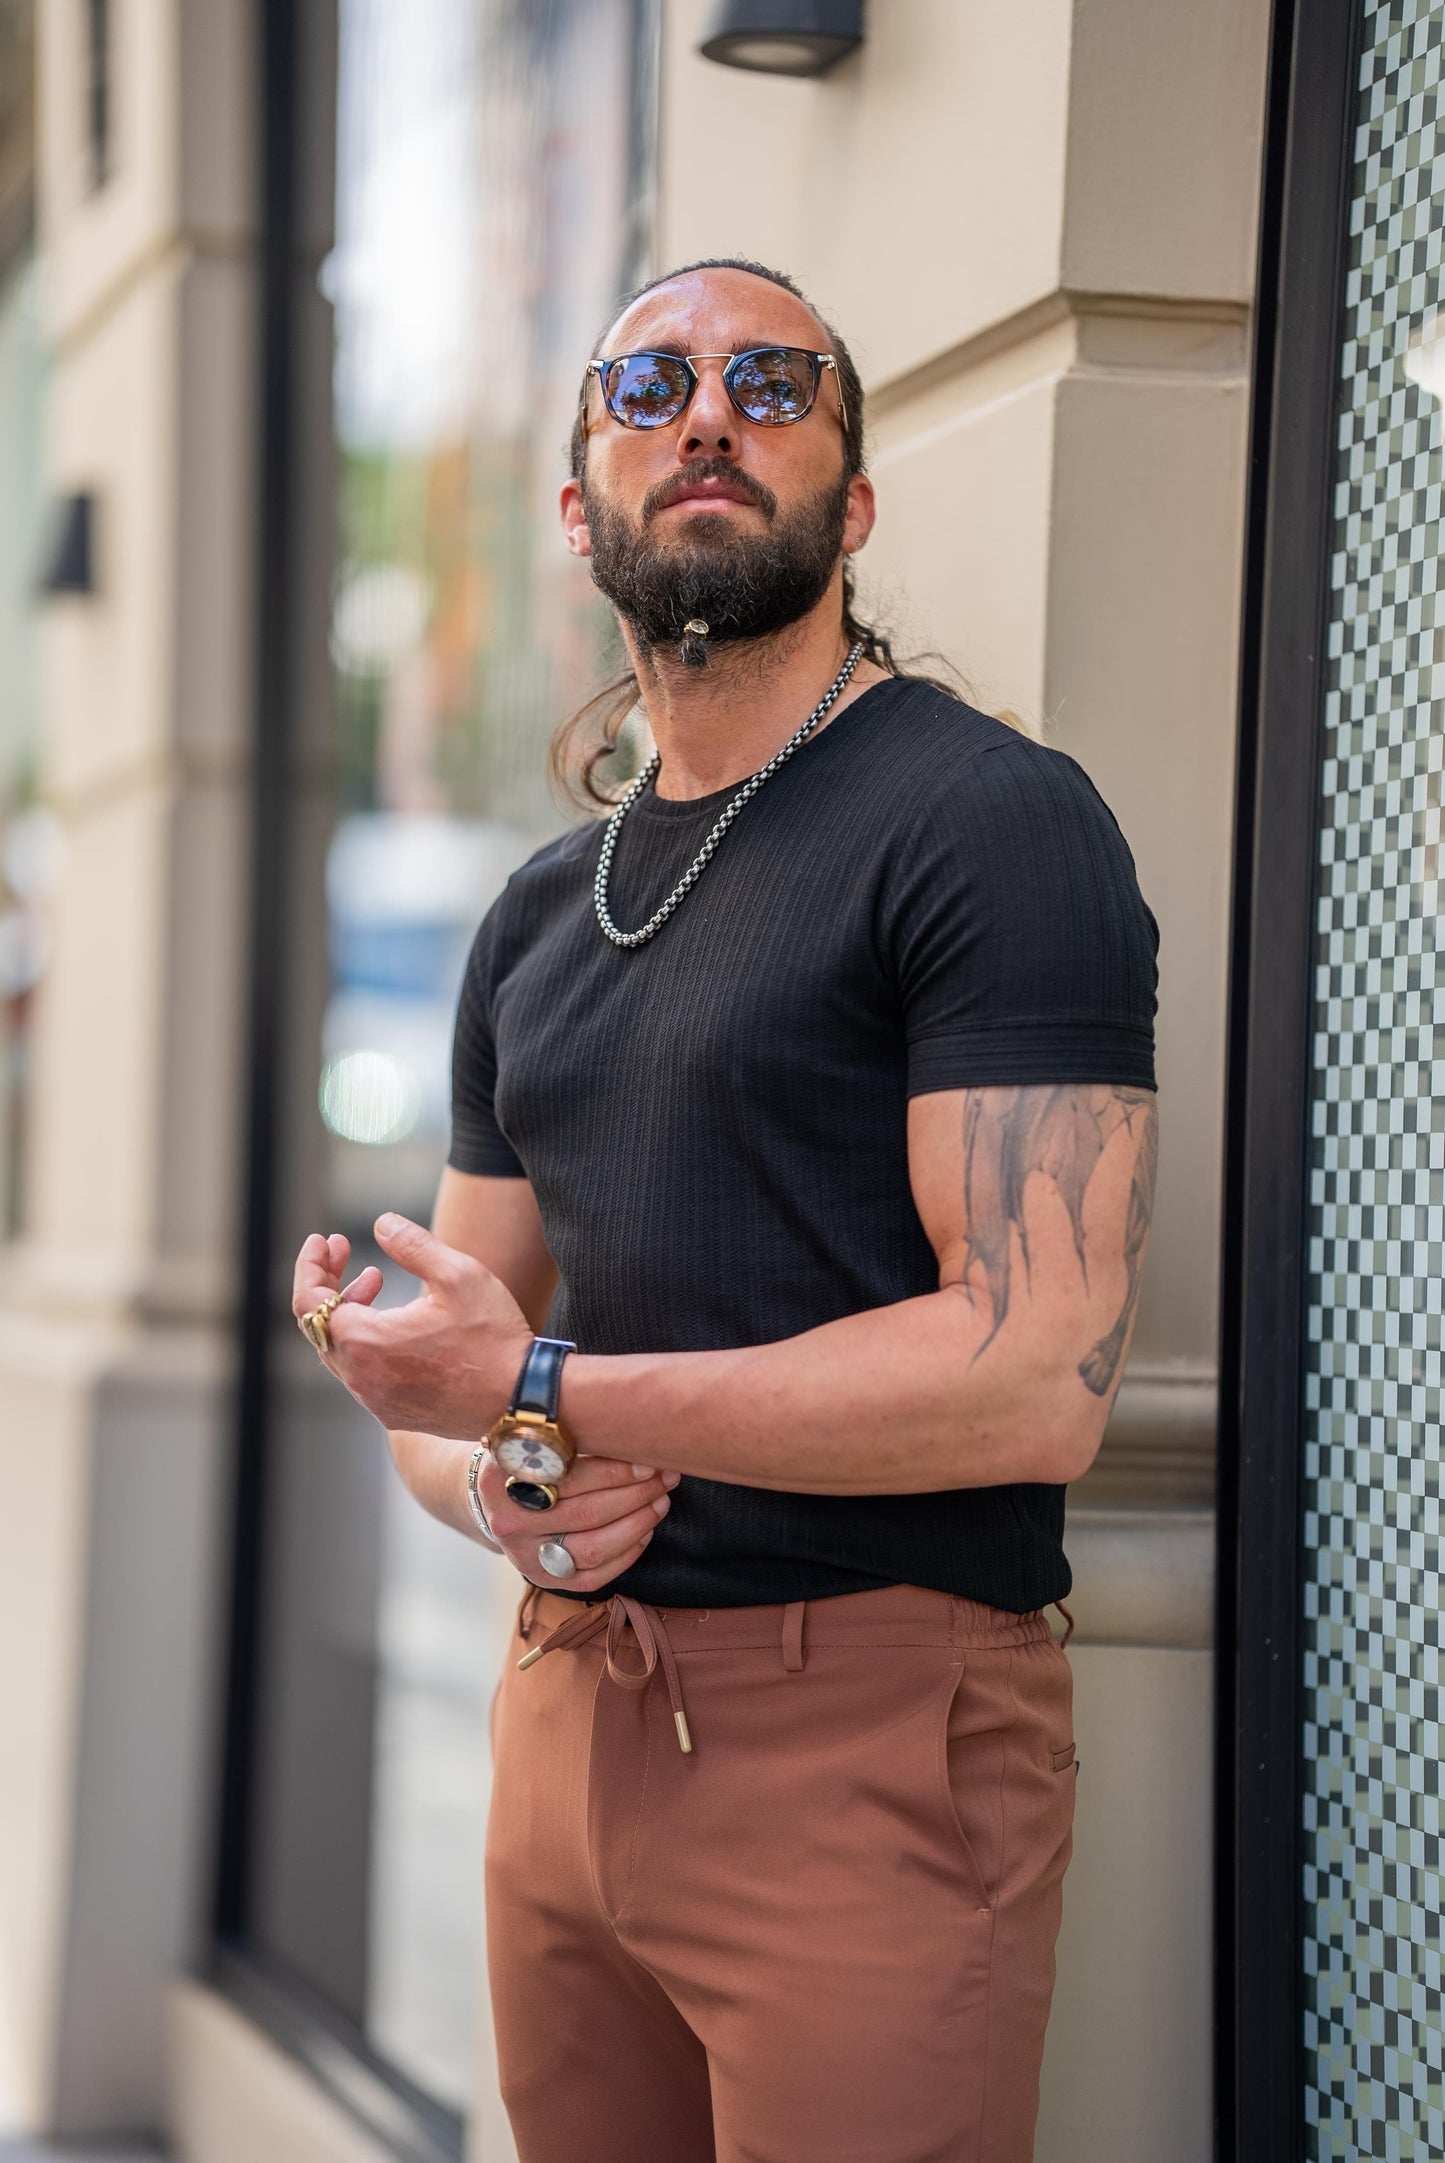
770	385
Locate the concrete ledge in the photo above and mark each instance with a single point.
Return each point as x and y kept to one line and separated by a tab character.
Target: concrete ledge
1142	1577
25	2151
1159	1448
235	2096
112	1461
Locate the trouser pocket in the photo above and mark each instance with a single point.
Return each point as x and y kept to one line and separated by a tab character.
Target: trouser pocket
977	1716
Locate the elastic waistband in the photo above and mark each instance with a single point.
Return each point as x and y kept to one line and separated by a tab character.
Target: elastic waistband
887	1615
892	1615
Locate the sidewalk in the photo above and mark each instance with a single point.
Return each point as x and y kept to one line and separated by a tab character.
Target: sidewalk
24	2151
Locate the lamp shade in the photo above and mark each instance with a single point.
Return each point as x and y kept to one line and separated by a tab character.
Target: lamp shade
783	37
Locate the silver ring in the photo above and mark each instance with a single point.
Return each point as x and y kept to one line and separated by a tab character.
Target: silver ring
554	1558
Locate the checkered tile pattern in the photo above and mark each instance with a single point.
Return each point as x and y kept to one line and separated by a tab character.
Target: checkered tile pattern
1375	2033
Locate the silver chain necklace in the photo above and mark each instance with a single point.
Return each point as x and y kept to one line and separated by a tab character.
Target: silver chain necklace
699	863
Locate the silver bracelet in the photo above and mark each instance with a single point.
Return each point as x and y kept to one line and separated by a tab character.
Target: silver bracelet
479	1514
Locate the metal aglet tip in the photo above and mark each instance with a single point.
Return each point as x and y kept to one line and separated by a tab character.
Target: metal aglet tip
528	1657
680	1718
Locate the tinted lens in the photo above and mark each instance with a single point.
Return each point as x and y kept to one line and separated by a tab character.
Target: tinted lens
774	384
646	390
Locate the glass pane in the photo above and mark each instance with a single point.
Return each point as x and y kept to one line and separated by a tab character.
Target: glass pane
486	179
1373	1523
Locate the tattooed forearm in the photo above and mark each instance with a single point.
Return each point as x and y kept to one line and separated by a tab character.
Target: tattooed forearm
1099	1369
1062	1131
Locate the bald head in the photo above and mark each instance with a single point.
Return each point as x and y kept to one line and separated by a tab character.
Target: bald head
723	293
747	305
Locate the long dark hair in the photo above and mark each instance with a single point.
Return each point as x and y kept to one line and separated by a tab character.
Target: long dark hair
587	739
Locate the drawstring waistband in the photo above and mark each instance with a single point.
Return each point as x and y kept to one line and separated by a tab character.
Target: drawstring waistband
650	1631
906	1616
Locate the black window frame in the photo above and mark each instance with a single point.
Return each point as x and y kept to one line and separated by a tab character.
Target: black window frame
1260	2061
409	2123
290	43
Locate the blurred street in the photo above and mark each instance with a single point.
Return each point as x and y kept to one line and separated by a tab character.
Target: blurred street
28	2152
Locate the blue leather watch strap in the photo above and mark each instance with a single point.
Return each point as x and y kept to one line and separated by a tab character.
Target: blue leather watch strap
540	1382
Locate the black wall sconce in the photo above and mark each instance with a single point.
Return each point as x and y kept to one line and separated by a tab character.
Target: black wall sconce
783	37
69	565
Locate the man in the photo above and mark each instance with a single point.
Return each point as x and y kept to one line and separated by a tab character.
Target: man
820	1117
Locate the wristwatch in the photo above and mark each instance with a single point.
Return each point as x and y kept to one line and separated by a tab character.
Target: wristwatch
527	1441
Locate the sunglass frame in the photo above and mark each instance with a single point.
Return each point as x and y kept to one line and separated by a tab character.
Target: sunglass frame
819	361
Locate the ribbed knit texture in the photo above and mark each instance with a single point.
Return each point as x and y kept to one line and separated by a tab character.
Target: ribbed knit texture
715	1122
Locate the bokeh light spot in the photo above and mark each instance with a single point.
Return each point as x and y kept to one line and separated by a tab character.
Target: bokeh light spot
369	1096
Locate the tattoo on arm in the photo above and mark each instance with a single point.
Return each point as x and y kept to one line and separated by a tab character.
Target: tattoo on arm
1061	1130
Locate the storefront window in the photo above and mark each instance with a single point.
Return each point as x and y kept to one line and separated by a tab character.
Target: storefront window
491	169
1373	1528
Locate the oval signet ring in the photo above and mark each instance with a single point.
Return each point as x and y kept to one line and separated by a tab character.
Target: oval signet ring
555	1560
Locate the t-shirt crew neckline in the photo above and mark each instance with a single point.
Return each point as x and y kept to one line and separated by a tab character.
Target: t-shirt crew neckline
650	805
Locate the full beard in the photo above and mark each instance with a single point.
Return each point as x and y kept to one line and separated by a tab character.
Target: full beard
740	586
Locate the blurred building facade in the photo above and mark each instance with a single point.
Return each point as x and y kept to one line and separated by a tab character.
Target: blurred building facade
293	305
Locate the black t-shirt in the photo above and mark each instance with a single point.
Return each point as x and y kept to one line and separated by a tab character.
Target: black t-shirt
714	1123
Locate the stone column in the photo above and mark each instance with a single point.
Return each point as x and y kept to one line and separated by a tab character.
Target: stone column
1036	227
117	1307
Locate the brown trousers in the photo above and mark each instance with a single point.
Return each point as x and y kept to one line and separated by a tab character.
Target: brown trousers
824	1933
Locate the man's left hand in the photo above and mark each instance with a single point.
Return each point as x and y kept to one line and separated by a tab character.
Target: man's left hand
444	1364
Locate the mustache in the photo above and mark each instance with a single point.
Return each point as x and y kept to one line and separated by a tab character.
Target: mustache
742	585
662	493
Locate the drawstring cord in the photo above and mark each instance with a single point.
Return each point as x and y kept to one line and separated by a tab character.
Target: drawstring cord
616	1614
650	1631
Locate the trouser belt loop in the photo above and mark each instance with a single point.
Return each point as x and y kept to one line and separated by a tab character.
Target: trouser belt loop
1068	1618
793	1636
526	1611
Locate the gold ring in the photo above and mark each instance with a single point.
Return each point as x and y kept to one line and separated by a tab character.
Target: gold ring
313	1325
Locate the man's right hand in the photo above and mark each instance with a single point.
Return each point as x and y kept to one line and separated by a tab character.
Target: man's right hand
605	1513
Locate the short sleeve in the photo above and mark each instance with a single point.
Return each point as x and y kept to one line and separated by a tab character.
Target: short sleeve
478	1144
1022	947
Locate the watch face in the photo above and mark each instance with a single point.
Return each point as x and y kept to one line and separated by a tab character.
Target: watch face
530	1454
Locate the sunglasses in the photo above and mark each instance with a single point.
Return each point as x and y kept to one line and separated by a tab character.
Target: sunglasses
773	385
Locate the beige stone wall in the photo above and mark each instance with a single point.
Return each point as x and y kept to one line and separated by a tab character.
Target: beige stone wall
116	1325
1036	228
